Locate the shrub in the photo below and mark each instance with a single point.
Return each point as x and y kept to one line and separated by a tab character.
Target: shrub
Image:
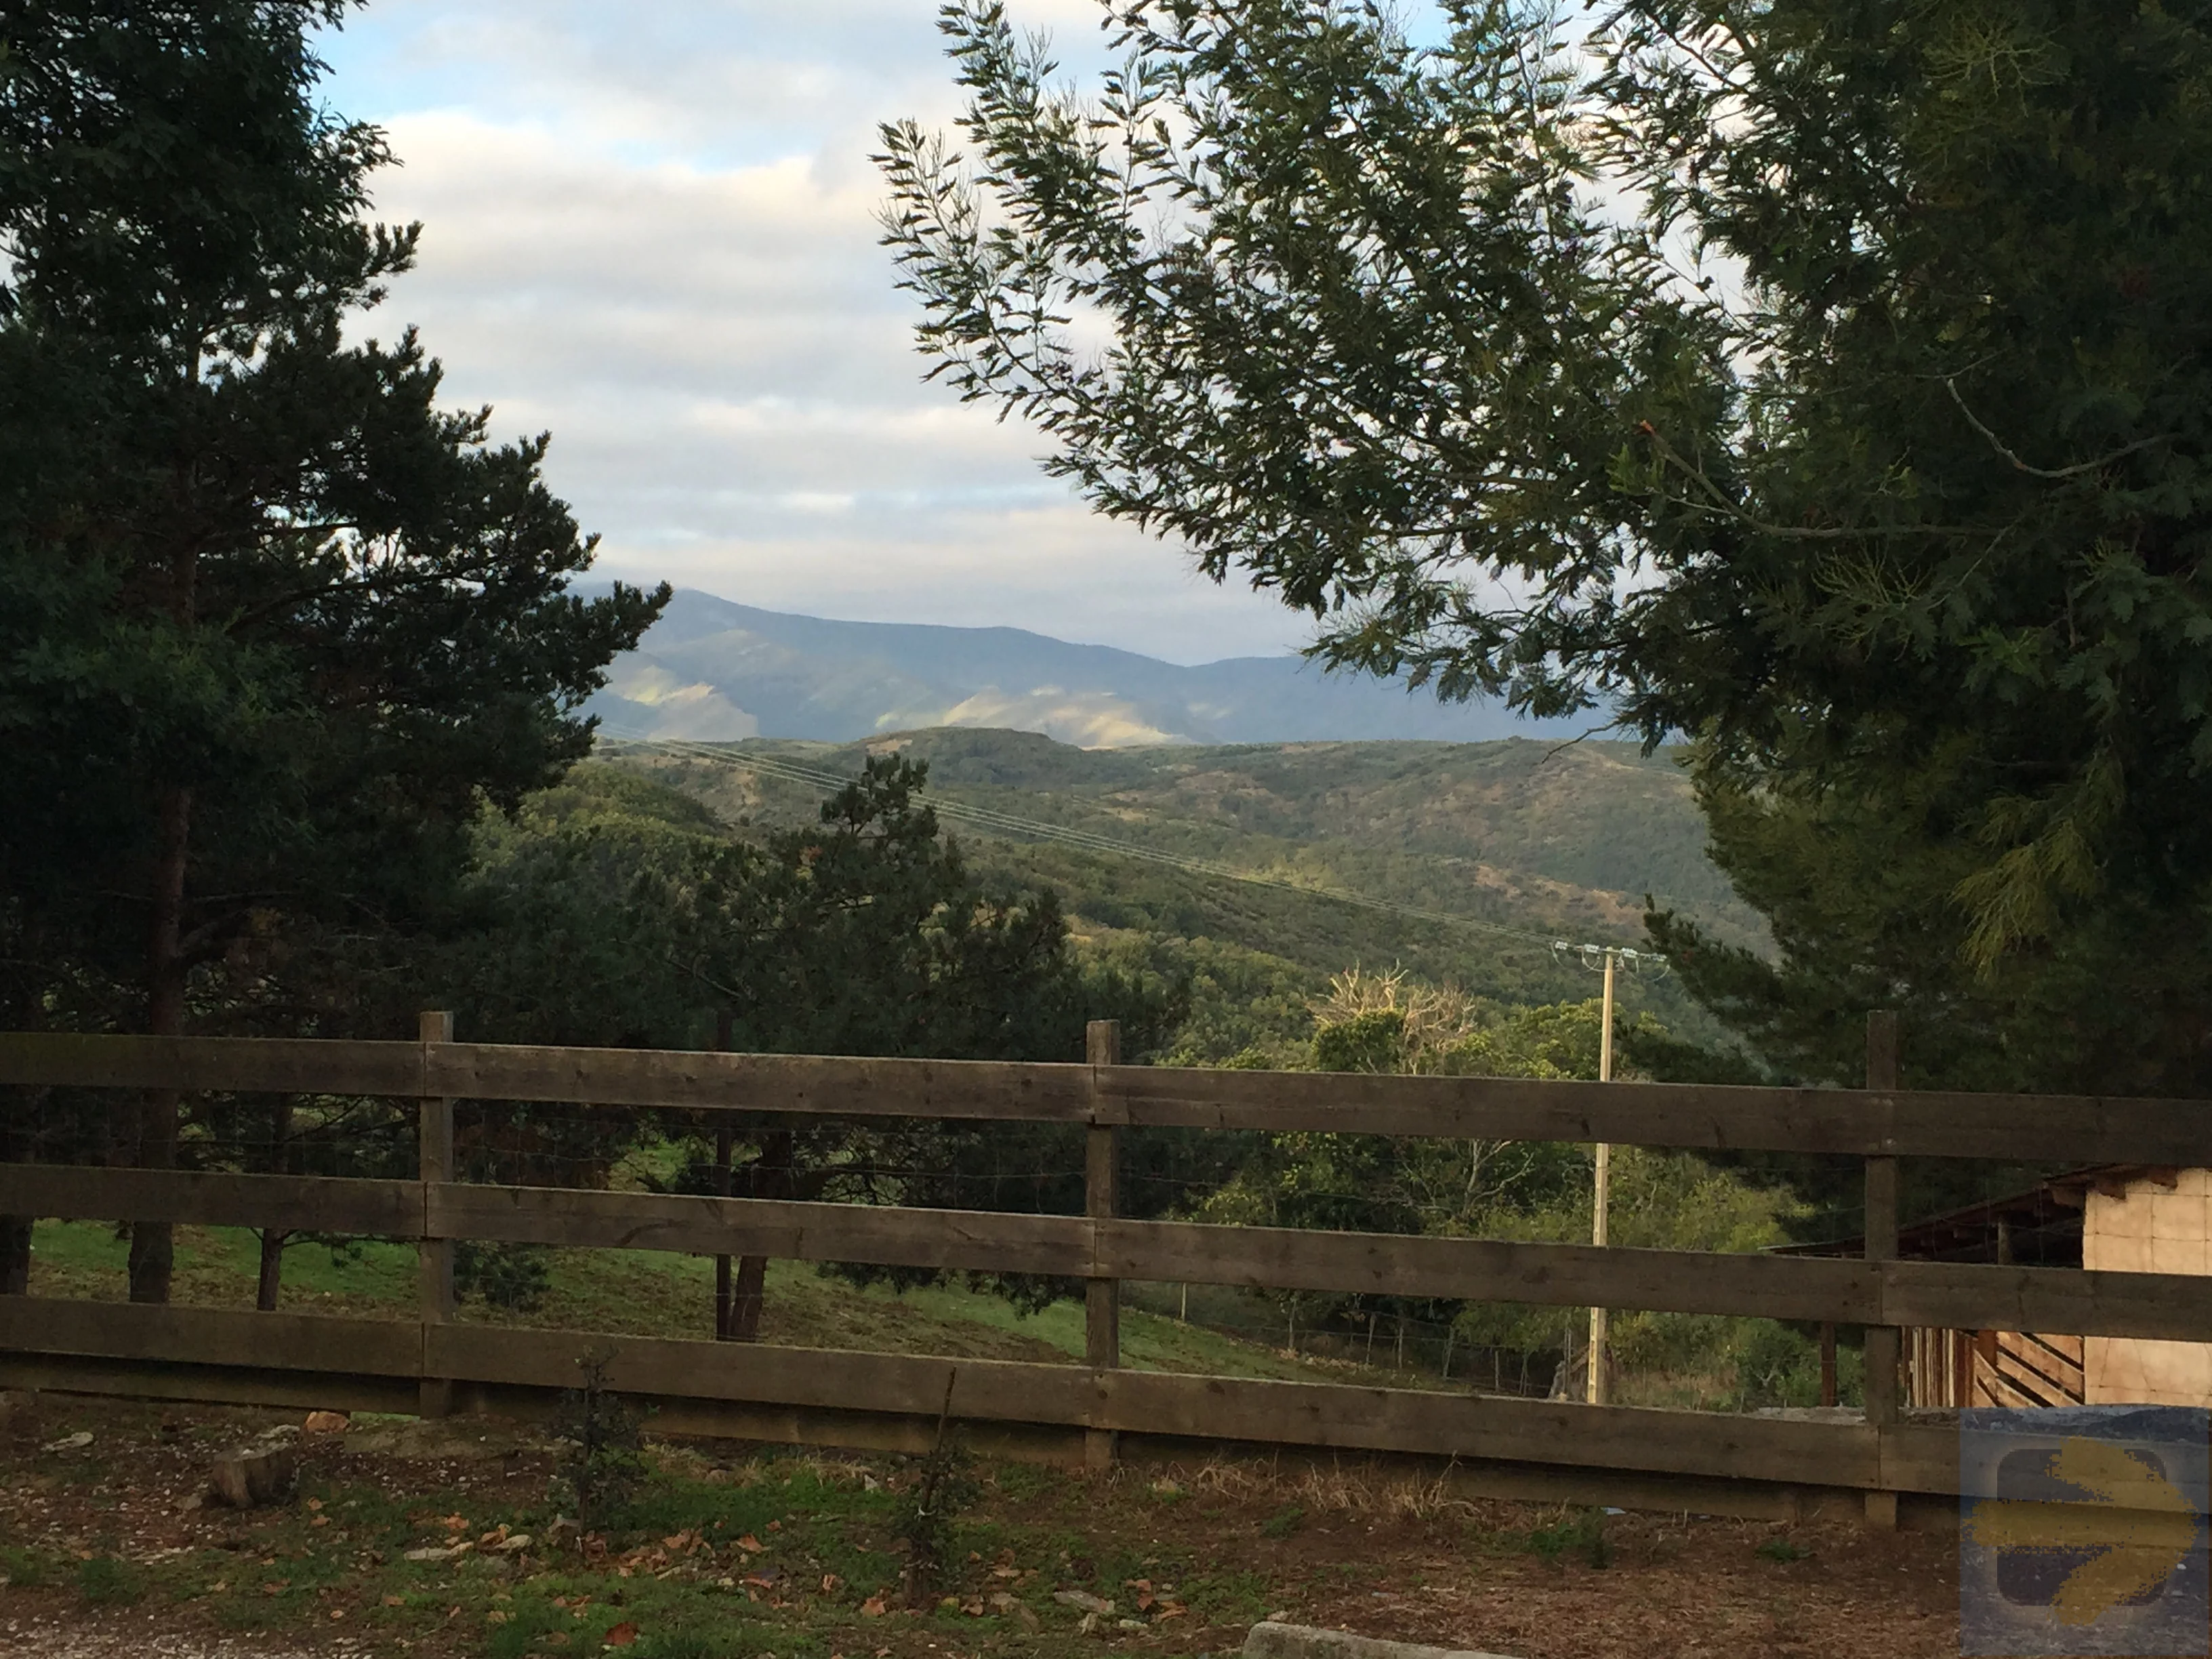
514	1277
602	1463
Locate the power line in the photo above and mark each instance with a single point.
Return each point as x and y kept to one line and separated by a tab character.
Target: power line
786	769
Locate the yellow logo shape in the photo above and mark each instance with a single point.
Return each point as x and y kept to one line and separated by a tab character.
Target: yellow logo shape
2139	1521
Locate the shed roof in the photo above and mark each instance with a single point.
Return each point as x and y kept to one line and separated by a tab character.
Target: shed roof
2039	1226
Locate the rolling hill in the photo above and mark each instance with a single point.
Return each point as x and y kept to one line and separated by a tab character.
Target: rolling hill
717	671
1470	859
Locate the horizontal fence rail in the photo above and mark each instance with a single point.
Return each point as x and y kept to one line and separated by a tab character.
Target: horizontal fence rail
1837	1290
1907	1458
217	1350
1709	1117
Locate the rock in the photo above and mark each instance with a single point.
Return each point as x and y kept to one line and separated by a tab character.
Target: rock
514	1545
1271	1640
439	1553
1082	1600
253	1475
1130	1624
327	1423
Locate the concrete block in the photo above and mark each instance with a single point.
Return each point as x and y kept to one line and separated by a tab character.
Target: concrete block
1273	1641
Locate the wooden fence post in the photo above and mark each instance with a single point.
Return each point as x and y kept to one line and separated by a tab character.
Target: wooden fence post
435	1255
1882	1340
1102	1167
723	1302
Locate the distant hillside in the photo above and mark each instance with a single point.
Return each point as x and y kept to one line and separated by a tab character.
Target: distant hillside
1542	841
717	671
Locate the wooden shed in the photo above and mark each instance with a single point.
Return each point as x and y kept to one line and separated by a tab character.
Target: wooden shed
2117	1217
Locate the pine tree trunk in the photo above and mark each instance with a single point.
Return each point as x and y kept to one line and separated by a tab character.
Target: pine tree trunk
18	1141
152	1247
771	1178
272	1287
272	1270
15	1255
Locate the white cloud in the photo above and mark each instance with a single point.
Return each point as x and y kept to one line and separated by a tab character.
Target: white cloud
650	230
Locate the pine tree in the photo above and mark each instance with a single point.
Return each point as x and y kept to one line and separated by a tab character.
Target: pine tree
274	626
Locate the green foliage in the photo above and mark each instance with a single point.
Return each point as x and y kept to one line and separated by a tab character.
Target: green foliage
943	1485
618	911
1283	1523
513	1278
1783	1550
1890	491
1582	1533
602	1466
1489	1189
1778	1365
275	626
107	1581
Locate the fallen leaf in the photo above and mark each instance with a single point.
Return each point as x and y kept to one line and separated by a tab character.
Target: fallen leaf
315	1502
831	1583
76	1442
751	1544
621	1635
874	1607
395	1601
337	1613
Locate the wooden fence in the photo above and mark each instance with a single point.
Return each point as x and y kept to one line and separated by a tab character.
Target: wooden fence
873	1399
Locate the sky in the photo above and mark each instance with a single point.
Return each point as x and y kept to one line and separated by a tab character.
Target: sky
649	229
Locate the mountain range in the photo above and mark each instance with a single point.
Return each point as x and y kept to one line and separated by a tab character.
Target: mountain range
714	670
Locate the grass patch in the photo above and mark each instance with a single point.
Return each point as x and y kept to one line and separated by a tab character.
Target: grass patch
1580	1532
1782	1549
107	1582
656	1293
1283	1523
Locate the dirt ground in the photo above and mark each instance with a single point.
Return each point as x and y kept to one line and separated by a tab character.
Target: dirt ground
109	1549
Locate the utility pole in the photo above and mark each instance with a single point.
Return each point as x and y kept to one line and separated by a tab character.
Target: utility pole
1595	1392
